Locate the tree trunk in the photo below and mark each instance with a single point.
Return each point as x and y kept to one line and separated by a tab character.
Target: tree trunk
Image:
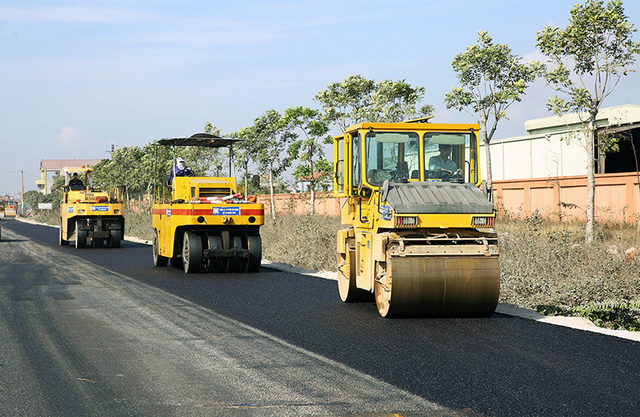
312	184
591	179
487	153
312	209
246	182
272	199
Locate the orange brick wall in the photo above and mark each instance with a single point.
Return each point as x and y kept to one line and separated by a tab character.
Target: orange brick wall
617	198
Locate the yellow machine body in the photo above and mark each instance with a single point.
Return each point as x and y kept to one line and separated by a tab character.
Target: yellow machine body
203	223
89	215
418	233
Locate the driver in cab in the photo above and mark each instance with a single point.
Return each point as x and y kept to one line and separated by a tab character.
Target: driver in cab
443	161
76	183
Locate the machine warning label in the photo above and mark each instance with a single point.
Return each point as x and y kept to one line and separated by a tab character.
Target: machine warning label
99	208
385	212
225	211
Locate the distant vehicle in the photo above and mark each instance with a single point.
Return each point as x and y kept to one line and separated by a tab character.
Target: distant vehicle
203	223
88	215
10	211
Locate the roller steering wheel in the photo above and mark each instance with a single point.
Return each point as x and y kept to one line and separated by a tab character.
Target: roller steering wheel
450	176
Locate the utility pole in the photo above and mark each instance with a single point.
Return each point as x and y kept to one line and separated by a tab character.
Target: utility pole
22	194
113	148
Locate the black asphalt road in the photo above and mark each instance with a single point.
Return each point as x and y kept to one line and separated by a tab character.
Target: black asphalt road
497	366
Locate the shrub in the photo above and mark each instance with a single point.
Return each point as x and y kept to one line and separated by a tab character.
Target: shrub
307	241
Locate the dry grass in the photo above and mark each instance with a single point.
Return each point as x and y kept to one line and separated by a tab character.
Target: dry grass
138	225
548	266
545	265
305	241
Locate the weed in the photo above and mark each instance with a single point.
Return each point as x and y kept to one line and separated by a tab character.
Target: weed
613	314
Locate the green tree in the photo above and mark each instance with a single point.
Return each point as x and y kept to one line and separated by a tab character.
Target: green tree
124	171
32	198
356	99
323	170
347	102
396	101
272	137
590	55
309	148
243	153
157	167
215	161
491	79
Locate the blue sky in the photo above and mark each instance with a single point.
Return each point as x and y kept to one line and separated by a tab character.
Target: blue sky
78	76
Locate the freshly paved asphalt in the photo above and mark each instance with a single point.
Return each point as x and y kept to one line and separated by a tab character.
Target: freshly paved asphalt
497	366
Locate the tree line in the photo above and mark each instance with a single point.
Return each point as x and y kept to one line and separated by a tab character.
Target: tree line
584	62
275	142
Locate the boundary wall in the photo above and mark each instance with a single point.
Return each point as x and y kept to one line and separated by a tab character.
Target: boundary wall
559	198
299	203
617	197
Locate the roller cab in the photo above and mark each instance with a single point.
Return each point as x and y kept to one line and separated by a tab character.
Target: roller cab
418	232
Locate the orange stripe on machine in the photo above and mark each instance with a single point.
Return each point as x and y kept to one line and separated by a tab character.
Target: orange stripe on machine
211	211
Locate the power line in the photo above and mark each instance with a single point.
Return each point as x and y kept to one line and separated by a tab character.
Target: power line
7	172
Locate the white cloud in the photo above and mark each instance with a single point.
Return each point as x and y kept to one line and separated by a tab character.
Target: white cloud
70	137
535	55
78	14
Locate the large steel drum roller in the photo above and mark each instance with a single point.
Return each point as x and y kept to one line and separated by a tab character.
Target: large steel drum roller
452	286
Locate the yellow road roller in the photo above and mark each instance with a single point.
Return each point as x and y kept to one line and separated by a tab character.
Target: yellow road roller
89	215
203	224
418	232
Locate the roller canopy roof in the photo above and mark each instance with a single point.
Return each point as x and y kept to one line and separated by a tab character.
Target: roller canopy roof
200	139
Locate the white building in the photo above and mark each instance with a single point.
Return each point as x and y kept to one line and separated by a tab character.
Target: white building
553	146
49	167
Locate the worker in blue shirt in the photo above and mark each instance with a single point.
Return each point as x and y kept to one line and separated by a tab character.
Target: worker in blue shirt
181	169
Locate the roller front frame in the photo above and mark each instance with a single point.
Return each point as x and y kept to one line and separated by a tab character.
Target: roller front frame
228	236
453	274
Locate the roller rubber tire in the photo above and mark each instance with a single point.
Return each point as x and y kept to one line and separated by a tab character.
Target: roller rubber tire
191	253
115	239
158	260
81	236
254	245
217	264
